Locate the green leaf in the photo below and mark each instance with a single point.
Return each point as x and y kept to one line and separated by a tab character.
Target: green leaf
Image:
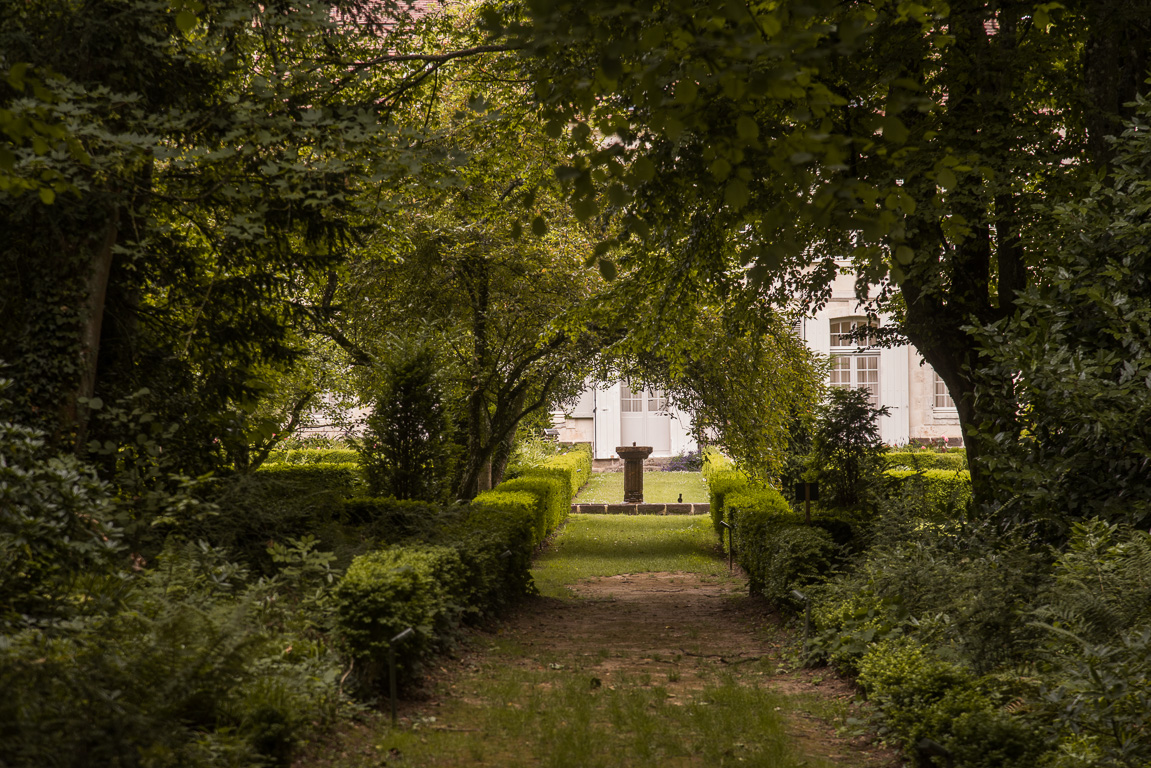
608	269
644	169
904	255
47	196
747	128
539	226
736	194
946	179
585	208
185	20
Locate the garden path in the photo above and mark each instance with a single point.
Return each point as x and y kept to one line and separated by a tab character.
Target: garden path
631	669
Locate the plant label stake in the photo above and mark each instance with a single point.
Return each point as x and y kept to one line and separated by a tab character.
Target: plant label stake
392	666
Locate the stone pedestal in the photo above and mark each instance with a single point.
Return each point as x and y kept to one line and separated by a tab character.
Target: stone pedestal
633	457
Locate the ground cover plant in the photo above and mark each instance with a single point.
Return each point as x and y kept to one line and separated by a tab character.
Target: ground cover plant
658	488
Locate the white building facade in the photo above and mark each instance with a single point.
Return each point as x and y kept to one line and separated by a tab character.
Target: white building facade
919	407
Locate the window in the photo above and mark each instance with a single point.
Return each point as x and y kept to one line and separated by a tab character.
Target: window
942	396
851	369
843	327
629	402
656	401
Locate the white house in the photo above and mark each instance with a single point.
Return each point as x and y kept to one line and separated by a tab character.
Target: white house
609	415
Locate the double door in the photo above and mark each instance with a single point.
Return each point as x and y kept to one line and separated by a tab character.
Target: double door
644	418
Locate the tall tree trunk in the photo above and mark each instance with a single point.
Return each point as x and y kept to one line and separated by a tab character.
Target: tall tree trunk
100	268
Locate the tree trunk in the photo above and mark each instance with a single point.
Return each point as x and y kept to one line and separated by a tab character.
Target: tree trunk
92	322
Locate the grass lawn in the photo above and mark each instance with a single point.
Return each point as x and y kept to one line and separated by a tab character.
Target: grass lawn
608	545
658	488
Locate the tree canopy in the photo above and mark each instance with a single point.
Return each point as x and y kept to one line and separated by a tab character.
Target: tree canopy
923	142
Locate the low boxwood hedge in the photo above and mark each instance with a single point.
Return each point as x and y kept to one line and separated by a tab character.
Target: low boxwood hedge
573	467
919	460
476	558
942	493
776	548
314	456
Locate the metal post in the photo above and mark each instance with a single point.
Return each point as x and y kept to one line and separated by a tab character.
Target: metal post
730	543
392	666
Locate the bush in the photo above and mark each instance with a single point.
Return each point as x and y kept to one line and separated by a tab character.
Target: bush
388	591
394	520
846	449
778	551
920	460
720	484
478	557
55	527
551	500
940	494
921	696
274	504
405	449
573	467
188	672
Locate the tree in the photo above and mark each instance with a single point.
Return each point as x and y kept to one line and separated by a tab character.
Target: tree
917	139
405	450
466	255
172	178
1078	355
846	447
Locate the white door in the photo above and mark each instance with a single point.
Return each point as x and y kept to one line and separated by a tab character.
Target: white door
644	419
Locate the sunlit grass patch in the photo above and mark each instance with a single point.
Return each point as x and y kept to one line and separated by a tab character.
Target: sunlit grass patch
609	545
658	488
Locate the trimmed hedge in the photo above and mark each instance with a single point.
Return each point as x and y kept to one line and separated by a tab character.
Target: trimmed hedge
943	493
720	485
778	550
342	479
314	456
389	590
920	460
573	467
477	558
551	503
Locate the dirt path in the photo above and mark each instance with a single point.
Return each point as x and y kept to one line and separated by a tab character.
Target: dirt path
678	631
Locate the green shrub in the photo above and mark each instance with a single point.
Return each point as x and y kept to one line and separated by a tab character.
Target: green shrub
388	591
573	467
941	494
720	483
298	456
394	520
551	505
714	461
276	503
920	460
910	686
338	480
199	666
778	551
495	545
921	696
1098	700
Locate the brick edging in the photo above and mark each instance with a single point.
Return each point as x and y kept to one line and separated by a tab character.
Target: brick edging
640	509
